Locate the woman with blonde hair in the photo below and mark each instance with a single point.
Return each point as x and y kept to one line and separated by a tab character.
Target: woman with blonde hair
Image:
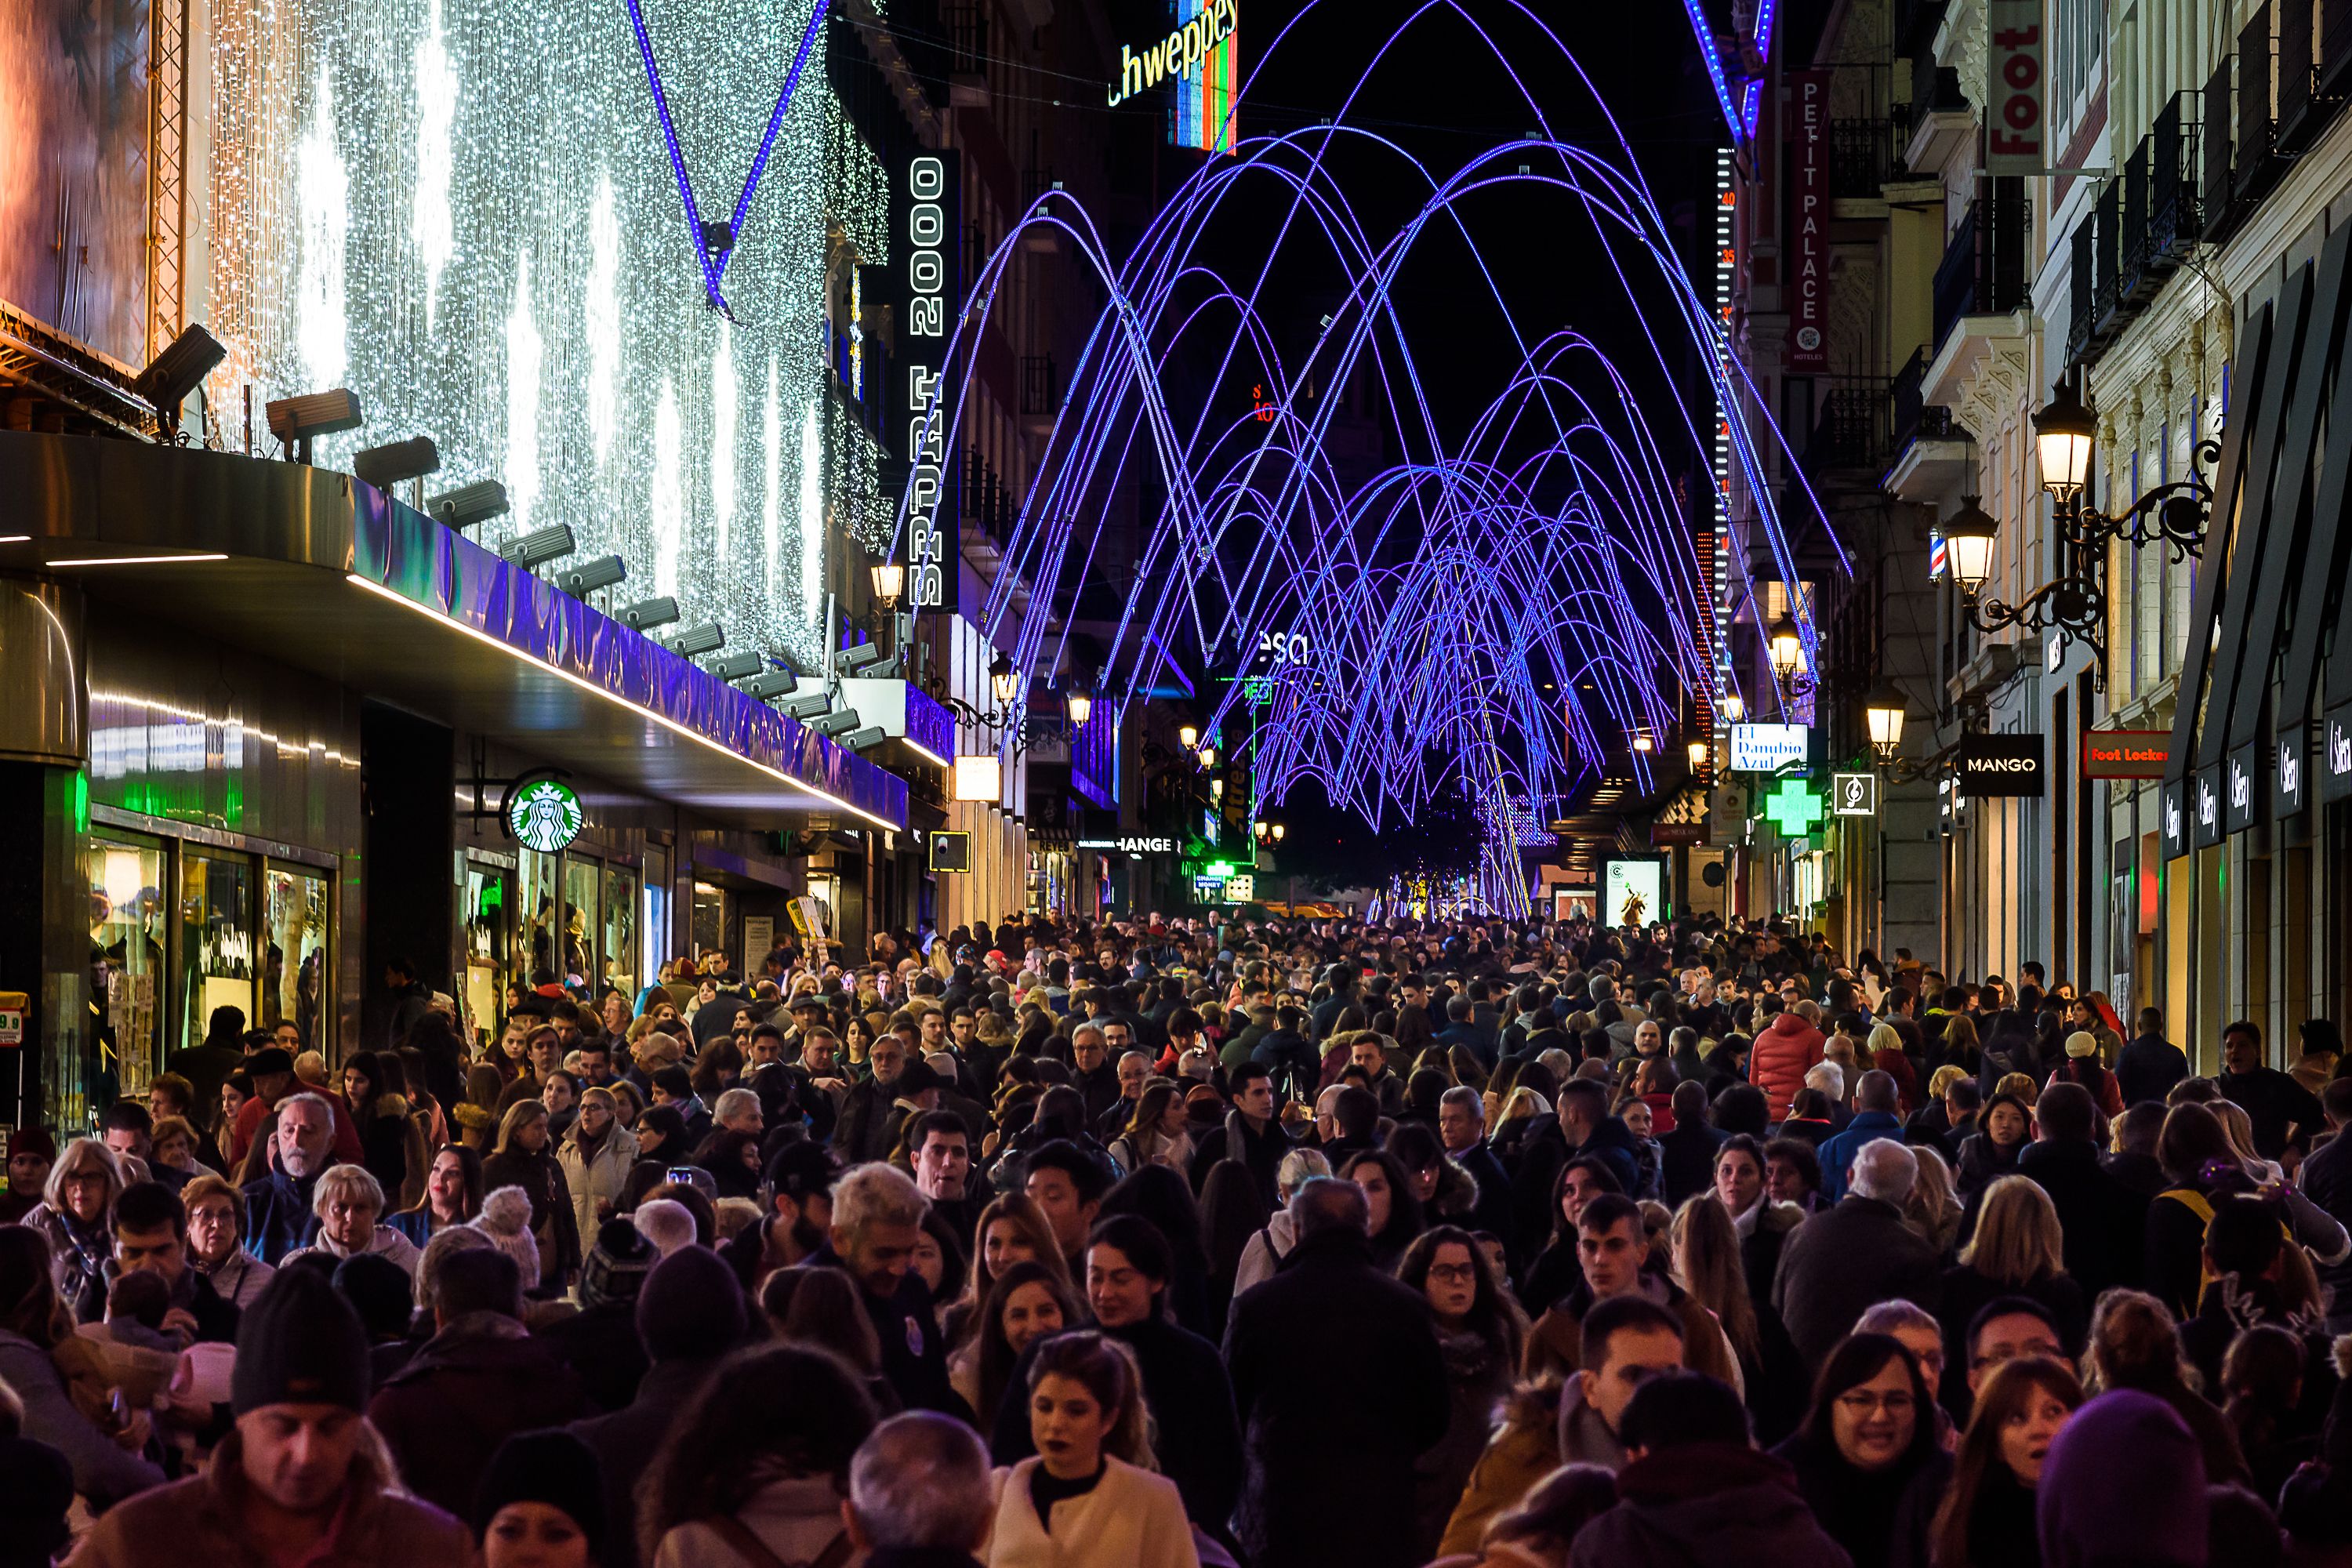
1933	1206
1703	1252
73	1218
349	1201
2017	1250
524	1157
597	1156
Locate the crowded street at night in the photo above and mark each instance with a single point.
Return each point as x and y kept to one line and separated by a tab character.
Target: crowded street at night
1175	783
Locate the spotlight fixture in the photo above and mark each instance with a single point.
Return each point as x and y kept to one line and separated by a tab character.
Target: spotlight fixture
857	661
646	614
298	421
891	668
838	722
604	572
804	709
540	545
872	735
467	504
703	637
736	666
771	684
396	462
177	371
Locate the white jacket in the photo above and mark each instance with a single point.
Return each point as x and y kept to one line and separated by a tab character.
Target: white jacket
600	1179
1132	1519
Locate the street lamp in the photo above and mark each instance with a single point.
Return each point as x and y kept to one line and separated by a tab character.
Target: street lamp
1786	647
1000	680
1967	545
1884	712
889	582
1081	703
2075	606
1188	736
1697	750
1735	707
1208	755
2063	436
1642	741
1277	833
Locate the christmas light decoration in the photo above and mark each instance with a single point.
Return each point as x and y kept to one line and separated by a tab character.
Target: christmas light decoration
379	172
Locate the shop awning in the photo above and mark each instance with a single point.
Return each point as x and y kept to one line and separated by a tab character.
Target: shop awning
322	573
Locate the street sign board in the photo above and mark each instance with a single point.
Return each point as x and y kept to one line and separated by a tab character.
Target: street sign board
1854	794
1767	748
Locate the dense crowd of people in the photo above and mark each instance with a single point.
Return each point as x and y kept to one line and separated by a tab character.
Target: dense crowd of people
1167	1243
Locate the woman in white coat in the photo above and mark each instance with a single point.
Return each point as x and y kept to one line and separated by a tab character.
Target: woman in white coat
1088	1498
597	1156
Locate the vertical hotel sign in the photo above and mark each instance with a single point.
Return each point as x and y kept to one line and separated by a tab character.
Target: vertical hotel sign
1809	220
2015	127
924	185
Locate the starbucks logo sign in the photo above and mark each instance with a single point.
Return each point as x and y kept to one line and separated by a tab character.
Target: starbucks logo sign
545	814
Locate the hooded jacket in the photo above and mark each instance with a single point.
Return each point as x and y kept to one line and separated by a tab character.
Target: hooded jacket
2086	1520
1785	1051
473	1383
1707	1505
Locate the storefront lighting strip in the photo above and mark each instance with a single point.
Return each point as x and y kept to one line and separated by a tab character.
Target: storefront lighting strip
637	708
925	752
15	539
138	559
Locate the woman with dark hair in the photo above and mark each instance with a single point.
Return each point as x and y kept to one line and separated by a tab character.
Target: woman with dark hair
383	1128
820	1308
1156	1132
731	1155
1543	1527
1159	1195
1232	1210
1867	1445
940	1261
758	1464
1010	1230
525	1158
453	1195
1087	1497
2203	1166
1761	1223
62	1407
2004	1128
1480	1334
1028	1302
2262	1383
1555	1271
1986	1520
1808	1121
1388	1192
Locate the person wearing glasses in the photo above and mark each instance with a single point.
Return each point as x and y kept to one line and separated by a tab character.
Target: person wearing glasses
1867	1459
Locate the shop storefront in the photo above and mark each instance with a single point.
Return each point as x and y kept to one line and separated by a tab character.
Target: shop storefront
252	710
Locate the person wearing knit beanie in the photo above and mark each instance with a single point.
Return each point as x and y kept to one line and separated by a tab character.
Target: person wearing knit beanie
690	1305
301	1475
543	1502
31	1152
2085	1520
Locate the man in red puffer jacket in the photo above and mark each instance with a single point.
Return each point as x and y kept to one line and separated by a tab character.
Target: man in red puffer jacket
1786	1049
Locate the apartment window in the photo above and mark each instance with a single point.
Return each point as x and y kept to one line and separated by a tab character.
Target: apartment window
2077	37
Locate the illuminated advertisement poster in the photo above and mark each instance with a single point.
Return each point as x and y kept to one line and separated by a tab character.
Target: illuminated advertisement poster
1200	58
1632	892
924	185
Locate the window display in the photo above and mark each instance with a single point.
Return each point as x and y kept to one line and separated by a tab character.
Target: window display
127	957
536	918
216	938
294	952
583	923
620	946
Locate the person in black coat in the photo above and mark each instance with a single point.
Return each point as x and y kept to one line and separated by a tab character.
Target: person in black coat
1184	1384
1461	1128
1687	1155
2101	1219
1251	1132
1339	1387
689	1315
2147	1069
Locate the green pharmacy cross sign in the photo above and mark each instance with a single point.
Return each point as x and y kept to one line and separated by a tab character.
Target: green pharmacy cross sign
1794	808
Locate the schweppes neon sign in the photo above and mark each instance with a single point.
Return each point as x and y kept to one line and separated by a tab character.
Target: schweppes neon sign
1183	55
